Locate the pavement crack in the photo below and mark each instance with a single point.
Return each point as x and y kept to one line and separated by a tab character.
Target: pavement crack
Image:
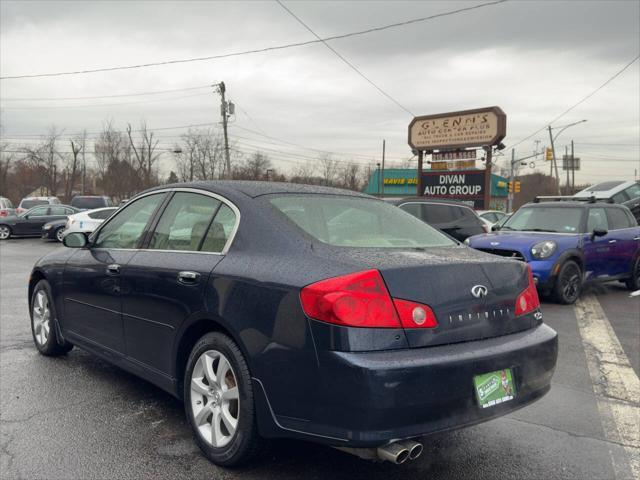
572	434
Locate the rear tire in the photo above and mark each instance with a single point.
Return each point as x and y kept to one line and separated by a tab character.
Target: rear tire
218	401
5	232
568	285
633	282
43	322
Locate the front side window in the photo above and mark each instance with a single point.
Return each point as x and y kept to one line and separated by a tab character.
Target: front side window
126	228
412	208
38	212
357	222
545	219
633	191
184	222
59	211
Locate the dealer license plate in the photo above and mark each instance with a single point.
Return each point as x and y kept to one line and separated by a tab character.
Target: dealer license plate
494	388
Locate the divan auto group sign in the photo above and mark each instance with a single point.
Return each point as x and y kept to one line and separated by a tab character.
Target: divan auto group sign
467	186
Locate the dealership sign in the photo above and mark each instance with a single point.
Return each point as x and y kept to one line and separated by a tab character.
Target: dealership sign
467	186
468	128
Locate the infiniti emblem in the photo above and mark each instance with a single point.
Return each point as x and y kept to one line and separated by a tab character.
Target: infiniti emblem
479	291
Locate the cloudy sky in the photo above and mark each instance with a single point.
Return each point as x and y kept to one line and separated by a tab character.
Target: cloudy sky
535	59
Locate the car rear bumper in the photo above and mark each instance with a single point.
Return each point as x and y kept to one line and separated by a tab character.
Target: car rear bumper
368	399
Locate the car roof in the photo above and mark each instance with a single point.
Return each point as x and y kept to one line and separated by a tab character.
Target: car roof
569	203
255	189
605	189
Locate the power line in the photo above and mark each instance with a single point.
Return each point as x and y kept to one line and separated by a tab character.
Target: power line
258	50
137	94
351	65
92	105
584	99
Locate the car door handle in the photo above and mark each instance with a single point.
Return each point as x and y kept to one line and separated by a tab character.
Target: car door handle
188	278
113	269
613	241
636	238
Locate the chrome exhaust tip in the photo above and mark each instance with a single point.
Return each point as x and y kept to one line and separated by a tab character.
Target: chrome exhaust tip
394	452
415	448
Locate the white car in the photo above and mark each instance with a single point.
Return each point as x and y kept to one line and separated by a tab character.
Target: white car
88	220
490	217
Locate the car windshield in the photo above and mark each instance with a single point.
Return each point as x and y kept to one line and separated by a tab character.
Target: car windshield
27	204
358	222
545	219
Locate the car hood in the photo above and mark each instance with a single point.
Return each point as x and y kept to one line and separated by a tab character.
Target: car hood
510	240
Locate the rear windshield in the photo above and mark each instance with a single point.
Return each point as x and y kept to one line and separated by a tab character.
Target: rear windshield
89	202
546	219
358	222
604	186
102	214
27	204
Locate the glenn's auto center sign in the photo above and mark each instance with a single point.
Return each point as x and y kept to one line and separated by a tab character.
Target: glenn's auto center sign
467	128
467	186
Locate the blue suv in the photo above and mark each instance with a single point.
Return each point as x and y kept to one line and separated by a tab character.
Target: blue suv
568	243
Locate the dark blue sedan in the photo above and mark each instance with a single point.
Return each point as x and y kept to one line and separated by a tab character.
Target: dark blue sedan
282	310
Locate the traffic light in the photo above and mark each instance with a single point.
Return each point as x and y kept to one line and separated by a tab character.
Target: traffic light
514	186
548	154
510	187
517	186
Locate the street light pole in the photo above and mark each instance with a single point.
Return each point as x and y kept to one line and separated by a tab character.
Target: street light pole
552	138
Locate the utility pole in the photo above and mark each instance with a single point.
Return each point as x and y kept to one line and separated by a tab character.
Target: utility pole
379	179
565	163
573	171
487	178
84	163
223	112
512	178
555	162
420	189
382	180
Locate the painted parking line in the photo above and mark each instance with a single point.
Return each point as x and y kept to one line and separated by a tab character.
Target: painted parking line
615	384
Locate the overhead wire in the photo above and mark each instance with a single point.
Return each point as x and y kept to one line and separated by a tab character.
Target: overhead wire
137	94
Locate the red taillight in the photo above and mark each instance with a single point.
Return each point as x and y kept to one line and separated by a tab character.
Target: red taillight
415	315
359	300
4	213
528	300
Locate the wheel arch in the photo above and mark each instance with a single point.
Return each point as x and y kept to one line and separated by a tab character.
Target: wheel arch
36	276
573	254
187	338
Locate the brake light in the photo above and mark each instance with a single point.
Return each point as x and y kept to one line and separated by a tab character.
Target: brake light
528	300
361	300
4	213
415	315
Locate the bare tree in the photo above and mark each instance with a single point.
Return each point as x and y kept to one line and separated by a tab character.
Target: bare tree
328	169
350	176
45	157
145	153
254	168
71	170
199	155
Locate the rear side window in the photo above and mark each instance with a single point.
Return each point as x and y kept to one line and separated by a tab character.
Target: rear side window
39	212
89	203
220	230
597	220
184	222
101	215
620	197
618	219
126	228
56	210
413	208
439	214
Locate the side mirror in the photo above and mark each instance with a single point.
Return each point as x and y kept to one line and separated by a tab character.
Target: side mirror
598	232
75	240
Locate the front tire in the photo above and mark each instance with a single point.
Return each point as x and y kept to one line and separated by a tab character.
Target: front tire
218	400
43	329
59	234
5	232
568	286
633	282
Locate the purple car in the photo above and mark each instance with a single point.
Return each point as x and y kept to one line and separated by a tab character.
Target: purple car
568	243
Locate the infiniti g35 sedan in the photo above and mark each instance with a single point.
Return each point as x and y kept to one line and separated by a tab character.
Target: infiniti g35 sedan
278	310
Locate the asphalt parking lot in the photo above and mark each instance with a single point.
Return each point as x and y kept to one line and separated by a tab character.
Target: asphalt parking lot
79	417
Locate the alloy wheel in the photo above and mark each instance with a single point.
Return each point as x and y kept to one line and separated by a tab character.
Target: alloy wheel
59	235
41	317
4	232
571	283
215	400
